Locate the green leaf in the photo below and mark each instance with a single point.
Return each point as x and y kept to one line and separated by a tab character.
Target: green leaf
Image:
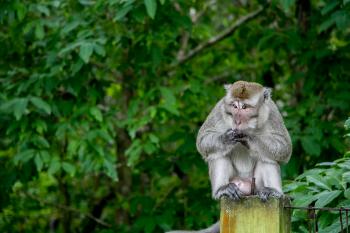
304	200
169	101
346	2
96	113
54	166
41	104
151	7
111	170
122	12
38	162
326	164
70	26
347	194
7	106
70	47
73	146
40	141
99	149
329	7
326	198
69	168
20	107
86	50
347	122
346	177
40	126
133	153
318	180
154	138
24	156
334	228
21	11
287	4
43	9
326	25
105	135
100	50
342	19
311	146
45	156
39	31
149	148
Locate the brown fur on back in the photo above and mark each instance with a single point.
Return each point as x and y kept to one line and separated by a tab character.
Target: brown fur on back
245	90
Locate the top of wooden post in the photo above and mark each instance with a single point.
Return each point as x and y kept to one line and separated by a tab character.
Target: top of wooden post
251	215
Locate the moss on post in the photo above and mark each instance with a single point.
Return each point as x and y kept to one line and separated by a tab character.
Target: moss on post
250	215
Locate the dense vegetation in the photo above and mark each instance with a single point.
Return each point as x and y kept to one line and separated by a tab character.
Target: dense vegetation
101	101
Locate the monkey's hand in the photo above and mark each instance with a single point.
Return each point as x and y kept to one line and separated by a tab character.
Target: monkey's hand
242	138
229	136
232	136
230	190
265	193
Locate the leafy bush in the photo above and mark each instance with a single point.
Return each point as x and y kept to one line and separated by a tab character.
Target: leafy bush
327	185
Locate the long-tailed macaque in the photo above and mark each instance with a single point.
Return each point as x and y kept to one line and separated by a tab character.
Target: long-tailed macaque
244	137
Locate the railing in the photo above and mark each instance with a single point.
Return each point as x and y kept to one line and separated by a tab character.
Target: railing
313	216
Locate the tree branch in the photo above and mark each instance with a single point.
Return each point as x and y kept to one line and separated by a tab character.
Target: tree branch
67	208
223	75
223	35
90	223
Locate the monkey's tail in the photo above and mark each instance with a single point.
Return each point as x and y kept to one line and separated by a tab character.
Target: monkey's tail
215	228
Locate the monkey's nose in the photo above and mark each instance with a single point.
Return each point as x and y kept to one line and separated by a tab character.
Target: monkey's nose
238	122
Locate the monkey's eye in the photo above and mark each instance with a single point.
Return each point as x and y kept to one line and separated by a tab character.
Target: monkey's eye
244	106
233	105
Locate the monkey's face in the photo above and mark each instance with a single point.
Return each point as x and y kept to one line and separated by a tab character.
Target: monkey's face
244	115
245	105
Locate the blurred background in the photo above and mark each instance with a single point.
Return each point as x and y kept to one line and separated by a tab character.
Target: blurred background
101	101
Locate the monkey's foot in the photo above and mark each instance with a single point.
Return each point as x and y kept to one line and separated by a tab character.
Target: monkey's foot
230	190
265	193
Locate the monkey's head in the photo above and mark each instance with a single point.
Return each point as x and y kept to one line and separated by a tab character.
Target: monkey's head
245	104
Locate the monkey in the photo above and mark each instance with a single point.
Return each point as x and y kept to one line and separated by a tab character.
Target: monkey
244	137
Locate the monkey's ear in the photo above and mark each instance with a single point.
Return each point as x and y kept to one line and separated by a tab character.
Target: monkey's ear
227	87
267	93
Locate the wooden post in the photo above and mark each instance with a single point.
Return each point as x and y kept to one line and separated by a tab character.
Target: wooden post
251	215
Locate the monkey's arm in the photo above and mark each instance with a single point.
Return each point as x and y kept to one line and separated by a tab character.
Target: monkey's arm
273	143
215	141
210	142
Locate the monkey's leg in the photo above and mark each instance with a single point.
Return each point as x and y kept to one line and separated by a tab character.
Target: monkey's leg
220	172
268	180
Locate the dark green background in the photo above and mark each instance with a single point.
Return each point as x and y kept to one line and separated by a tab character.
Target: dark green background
100	107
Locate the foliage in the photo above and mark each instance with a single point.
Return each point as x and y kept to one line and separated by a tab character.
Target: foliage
327	185
100	103
324	186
